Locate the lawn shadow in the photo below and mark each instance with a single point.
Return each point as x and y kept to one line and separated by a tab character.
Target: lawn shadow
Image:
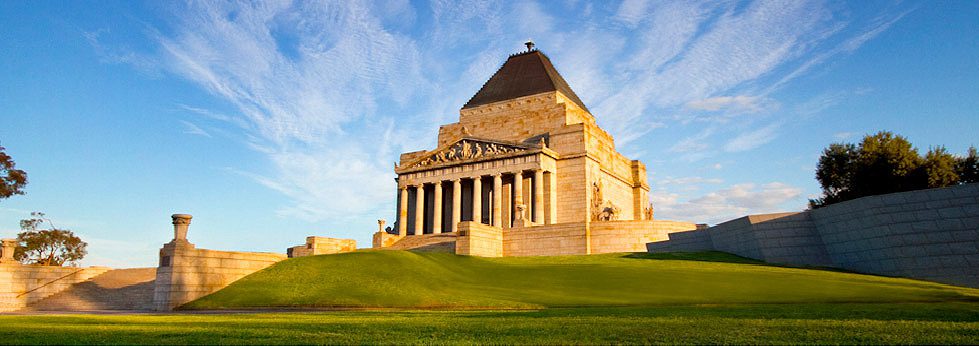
706	256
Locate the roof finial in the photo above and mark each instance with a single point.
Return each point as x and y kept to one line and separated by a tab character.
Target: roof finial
529	44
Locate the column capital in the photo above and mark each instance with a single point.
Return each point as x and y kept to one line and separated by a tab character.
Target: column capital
437	183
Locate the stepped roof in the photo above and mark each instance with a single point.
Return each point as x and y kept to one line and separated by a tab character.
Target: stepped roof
523	74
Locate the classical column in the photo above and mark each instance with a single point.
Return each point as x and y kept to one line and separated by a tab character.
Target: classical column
517	188
477	200
403	212
437	209
420	209
180	224
456	204
498	200
552	198
539	196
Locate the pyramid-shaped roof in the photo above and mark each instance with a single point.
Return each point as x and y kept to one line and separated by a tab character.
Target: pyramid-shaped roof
523	74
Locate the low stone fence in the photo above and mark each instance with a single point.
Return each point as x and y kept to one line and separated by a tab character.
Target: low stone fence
322	246
186	273
632	235
21	285
570	238
477	239
927	234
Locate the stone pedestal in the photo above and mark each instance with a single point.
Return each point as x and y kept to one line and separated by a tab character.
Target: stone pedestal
7	251
181	222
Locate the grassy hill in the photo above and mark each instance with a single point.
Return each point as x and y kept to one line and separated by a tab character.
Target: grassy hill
401	279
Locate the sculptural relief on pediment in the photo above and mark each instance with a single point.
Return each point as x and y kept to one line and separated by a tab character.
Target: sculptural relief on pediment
465	150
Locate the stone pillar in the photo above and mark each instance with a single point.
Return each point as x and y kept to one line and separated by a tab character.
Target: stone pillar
456	204
538	196
181	222
380	225
498	200
437	209
478	200
403	213
420	209
7	251
552	198
517	191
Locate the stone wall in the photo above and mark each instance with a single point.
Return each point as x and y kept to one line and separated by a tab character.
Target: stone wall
476	239
187	273
21	285
550	240
632	235
322	246
928	234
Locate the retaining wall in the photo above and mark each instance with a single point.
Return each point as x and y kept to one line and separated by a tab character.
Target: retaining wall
21	285
927	234
477	239
186	273
569	238
632	235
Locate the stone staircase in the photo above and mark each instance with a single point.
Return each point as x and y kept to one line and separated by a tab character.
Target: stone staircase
119	289
444	242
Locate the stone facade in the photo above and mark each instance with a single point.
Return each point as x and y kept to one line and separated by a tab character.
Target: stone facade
928	234
527	160
21	285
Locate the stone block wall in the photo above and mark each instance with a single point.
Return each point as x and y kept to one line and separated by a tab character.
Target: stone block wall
930	234
476	239
927	234
186	273
384	239
21	285
632	235
569	238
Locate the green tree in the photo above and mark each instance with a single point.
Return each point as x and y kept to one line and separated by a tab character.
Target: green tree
938	169
834	173
886	163
967	167
12	180
48	247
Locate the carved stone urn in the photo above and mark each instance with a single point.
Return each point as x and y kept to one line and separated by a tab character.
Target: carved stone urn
181	222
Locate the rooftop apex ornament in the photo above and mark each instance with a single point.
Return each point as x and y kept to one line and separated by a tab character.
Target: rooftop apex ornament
530	45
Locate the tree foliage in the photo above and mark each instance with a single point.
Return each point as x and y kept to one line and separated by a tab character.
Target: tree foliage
884	163
47	247
12	180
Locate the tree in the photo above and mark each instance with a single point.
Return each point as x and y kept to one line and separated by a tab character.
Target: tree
12	180
884	163
834	173
938	169
968	167
47	247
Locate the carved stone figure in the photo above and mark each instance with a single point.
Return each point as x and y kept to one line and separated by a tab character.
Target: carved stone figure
466	150
649	211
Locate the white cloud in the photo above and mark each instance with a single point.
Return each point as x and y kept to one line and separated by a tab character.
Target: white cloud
191	129
729	203
725	102
752	139
842	136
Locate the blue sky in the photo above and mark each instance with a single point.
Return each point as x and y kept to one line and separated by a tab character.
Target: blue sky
270	122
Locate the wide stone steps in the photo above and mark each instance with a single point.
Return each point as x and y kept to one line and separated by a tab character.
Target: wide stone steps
119	289
444	242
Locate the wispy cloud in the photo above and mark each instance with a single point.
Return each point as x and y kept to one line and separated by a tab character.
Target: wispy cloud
725	204
192	129
752	139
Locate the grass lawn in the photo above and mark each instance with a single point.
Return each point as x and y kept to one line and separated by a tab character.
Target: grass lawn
401	279
840	323
404	297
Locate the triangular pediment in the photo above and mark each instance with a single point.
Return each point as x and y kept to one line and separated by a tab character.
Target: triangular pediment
467	149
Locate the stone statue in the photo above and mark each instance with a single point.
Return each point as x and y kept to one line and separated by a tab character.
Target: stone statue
649	211
520	217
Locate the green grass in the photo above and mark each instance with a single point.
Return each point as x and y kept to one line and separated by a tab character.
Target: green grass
400	279
841	323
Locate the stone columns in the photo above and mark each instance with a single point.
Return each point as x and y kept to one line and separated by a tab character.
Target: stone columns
478	200
539	196
403	212
437	209
456	204
552	199
518	194
420	209
498	200
7	252
181	222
